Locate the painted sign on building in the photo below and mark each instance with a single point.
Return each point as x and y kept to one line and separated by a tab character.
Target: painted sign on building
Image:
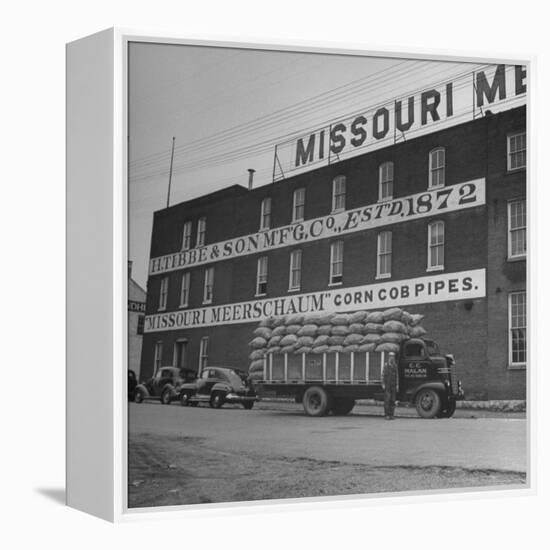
413	207
442	105
435	288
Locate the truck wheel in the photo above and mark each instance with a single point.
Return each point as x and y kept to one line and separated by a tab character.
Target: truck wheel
217	400
165	397
428	403
342	406
449	411
139	397
316	401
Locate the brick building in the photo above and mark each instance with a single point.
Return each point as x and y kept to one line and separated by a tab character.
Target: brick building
435	224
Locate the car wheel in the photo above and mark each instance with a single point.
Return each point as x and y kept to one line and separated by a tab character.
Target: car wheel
165	397
140	396
316	401
342	406
428	403
248	405
184	399
217	400
448	411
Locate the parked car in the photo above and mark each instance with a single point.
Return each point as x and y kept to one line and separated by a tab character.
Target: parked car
219	385
132	383
164	385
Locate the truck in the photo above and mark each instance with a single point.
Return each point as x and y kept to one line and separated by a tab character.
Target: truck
331	382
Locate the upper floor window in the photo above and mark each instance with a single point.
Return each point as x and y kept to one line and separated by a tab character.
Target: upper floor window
265	214
339	193
517	314
185	285
383	263
295	276
298	205
436	245
140	324
437	167
517	151
201	231
385	181
186	242
163	296
261	276
336	262
208	285
517	229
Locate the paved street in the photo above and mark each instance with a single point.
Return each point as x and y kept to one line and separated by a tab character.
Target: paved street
405	454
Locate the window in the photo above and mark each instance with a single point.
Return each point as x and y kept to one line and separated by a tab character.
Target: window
157	360
186	242
385	181
140	324
208	285
163	297
336	262
265	214
295	277
436	245
338	193
203	353
517	229
185	283
437	168
517	151
298	205
383	260
261	276
518	328
201	231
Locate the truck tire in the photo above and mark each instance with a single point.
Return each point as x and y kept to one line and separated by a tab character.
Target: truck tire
316	401
449	410
428	403
342	406
248	405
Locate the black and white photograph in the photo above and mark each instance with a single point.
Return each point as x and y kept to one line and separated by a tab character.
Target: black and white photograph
327	274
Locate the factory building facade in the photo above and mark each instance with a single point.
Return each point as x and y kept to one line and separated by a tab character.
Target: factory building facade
436	225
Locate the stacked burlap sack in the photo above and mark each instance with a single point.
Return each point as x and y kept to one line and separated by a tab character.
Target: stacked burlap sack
318	333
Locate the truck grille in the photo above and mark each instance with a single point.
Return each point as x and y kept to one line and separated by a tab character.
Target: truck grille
453	379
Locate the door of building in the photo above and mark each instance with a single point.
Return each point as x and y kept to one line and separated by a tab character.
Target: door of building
180	353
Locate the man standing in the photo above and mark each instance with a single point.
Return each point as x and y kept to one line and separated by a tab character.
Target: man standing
389	385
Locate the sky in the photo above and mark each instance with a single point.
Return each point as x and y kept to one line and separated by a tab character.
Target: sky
229	107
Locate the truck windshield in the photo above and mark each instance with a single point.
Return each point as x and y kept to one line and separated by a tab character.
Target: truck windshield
432	348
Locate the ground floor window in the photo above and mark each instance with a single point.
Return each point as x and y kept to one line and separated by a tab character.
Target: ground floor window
203	354
157	361
517	306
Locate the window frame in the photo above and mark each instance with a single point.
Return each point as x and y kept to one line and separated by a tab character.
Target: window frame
157	356
295	205
380	254
509	153
186	276
382	182
203	354
259	263
341	179
201	232
163	293
292	269
431	168
207	298
523	255
265	215
511	363
439	267
333	245
187	235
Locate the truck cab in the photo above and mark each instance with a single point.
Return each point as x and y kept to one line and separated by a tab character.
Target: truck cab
428	379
